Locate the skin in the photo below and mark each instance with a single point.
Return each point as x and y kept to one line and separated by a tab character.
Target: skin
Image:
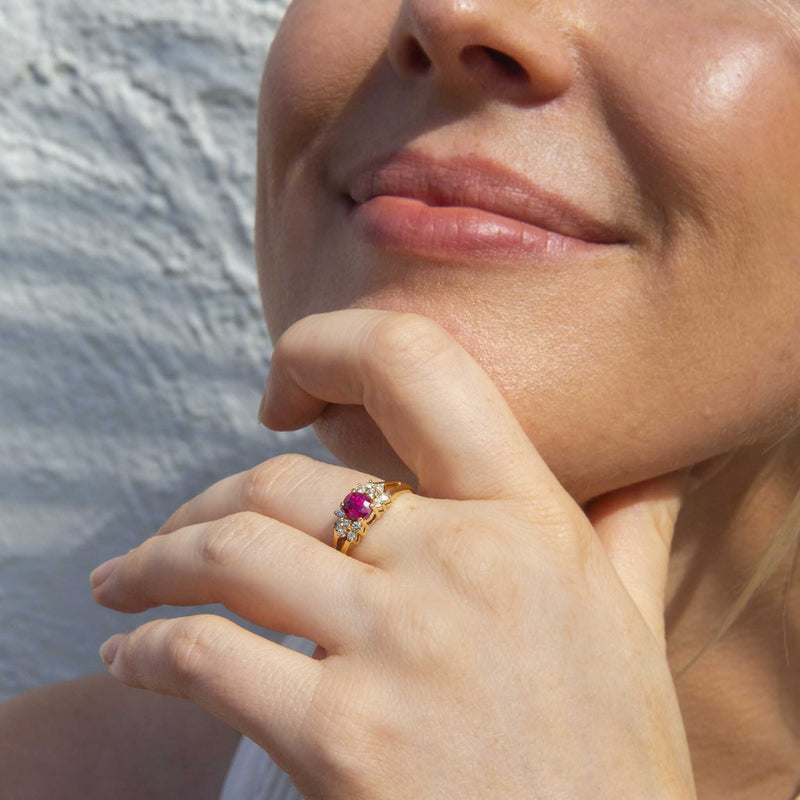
596	384
95	738
681	123
585	684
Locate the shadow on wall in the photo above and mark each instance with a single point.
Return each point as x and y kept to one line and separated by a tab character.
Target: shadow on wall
133	351
105	432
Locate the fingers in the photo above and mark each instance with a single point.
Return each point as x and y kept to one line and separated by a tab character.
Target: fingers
261	569
635	526
258	687
294	489
435	405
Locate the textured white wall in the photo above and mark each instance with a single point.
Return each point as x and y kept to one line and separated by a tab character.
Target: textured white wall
132	353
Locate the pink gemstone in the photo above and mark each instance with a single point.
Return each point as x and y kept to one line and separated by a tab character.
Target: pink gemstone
356	506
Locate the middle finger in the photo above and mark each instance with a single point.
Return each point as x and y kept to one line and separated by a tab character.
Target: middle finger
261	569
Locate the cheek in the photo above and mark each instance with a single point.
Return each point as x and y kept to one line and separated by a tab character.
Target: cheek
322	55
316	64
710	118
719	146
742	290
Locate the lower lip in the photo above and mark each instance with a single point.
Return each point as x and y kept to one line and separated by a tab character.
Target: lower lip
411	226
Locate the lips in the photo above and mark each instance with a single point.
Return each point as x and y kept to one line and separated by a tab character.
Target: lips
411	202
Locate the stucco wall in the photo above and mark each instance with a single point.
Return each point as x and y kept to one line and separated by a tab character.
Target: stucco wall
133	351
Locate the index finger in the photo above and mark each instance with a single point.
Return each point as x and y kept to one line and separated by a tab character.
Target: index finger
437	408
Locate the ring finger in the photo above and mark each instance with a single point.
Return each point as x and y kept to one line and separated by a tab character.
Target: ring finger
293	489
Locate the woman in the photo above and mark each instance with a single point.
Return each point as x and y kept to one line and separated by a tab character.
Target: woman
589	209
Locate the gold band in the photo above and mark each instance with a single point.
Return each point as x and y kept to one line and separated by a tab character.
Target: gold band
365	504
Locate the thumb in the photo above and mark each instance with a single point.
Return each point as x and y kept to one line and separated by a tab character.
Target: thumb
635	525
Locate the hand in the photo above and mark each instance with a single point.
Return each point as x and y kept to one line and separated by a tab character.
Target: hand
485	639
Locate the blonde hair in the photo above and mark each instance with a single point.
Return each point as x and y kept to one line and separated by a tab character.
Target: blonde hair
784	544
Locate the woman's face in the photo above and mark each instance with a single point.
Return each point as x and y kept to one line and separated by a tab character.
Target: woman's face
600	199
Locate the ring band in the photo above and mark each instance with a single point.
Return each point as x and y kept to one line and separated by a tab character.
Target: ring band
361	508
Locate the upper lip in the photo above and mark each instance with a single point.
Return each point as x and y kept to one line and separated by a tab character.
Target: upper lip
475	182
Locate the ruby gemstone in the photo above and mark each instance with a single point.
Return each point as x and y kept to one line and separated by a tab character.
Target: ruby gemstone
356	506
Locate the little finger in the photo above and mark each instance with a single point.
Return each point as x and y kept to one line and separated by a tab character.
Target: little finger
258	687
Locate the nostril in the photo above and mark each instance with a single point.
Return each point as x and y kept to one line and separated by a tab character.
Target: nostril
510	66
416	58
481	57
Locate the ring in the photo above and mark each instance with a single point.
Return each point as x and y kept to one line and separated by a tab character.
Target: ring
361	508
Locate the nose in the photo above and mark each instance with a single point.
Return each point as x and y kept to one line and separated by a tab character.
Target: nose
496	48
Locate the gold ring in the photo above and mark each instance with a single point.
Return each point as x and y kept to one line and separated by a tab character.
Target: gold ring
361	508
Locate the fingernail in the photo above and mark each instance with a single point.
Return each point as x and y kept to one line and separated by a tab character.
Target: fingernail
166	526
102	573
262	408
109	648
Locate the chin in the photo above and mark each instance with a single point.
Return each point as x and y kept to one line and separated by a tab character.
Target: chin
351	435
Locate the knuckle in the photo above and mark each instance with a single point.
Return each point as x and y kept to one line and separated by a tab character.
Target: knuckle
425	629
574	541
405	344
270	479
432	633
138	659
373	591
544	509
561	529
191	646
350	732
482	567
225	541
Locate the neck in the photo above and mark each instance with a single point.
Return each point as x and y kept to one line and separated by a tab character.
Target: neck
741	699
